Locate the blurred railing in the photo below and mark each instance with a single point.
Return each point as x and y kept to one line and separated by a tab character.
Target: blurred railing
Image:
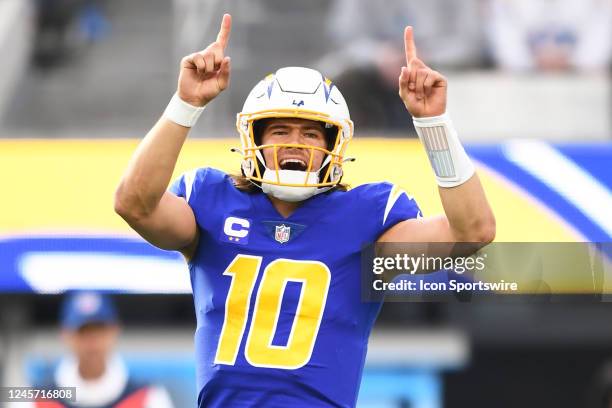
488	106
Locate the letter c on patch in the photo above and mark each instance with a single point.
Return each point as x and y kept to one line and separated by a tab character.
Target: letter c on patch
236	227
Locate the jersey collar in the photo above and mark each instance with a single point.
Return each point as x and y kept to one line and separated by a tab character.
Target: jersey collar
308	211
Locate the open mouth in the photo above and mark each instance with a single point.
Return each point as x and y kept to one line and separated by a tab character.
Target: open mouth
293	164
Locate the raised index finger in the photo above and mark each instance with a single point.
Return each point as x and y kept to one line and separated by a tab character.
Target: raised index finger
409	46
224	32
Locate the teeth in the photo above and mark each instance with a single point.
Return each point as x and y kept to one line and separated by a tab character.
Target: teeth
293	161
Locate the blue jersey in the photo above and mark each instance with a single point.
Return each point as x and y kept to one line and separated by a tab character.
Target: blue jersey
280	321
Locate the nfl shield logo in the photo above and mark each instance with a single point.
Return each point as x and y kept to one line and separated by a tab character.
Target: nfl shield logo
282	233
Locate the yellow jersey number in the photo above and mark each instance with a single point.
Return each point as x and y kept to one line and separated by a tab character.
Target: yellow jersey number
259	350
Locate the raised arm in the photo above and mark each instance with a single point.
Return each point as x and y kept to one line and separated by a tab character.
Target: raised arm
141	199
468	216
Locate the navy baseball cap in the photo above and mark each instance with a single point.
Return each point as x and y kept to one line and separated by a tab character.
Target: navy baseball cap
84	307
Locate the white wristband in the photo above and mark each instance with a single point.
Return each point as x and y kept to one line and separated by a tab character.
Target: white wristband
446	154
182	113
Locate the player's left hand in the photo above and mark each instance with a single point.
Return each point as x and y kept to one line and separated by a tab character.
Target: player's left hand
422	89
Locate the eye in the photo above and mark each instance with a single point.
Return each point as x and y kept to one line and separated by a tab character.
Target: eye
279	132
311	135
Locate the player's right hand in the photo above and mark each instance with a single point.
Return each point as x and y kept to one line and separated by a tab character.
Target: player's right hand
422	89
206	73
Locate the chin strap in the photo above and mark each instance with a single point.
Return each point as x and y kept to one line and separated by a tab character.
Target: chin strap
291	193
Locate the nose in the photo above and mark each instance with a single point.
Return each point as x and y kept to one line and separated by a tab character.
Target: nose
295	136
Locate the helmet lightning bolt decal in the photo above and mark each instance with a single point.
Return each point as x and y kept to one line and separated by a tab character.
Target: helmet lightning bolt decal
327	88
270	87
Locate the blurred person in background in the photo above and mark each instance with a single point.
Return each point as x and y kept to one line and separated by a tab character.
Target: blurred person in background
366	53
56	19
90	330
550	35
274	254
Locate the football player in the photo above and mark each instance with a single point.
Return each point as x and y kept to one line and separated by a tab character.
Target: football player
90	329
274	254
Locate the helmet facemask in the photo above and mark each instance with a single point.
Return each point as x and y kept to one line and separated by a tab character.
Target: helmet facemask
305	163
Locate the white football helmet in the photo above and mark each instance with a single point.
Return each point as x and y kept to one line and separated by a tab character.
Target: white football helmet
295	92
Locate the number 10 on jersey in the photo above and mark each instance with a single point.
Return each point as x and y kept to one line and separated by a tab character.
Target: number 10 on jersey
259	350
